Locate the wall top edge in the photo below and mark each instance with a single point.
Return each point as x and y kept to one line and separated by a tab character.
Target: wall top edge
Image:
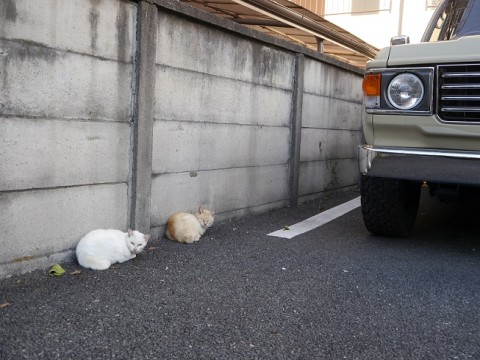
201	16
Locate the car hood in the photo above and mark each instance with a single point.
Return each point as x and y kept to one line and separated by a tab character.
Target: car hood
462	50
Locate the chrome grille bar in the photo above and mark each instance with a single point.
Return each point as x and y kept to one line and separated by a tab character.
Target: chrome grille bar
461	86
461	98
461	75
460	109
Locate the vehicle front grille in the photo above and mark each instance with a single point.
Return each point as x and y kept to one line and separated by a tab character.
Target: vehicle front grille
459	93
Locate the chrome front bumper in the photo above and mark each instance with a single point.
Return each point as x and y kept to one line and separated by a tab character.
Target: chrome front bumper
442	166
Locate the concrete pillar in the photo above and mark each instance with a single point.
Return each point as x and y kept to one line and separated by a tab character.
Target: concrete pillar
297	99
141	179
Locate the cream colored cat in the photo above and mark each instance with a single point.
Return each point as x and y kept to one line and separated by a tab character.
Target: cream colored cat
187	228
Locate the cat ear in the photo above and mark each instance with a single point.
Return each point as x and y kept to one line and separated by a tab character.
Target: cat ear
147	237
200	209
130	232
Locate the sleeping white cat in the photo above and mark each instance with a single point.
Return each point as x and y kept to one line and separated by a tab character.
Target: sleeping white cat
99	249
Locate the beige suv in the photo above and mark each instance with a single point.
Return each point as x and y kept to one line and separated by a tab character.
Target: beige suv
422	120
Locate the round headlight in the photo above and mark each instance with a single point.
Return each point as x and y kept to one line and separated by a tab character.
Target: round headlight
405	91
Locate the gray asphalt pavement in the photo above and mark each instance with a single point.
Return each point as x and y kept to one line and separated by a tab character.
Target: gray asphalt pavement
333	293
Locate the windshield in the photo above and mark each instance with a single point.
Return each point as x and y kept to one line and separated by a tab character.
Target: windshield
454	19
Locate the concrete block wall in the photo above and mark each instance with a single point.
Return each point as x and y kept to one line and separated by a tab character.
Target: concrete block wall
116	113
66	103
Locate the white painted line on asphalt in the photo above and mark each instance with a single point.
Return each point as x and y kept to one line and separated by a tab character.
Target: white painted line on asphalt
317	220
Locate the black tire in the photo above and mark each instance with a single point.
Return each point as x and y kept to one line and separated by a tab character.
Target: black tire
389	206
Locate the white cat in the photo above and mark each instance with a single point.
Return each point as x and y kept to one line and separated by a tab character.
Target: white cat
187	228
99	249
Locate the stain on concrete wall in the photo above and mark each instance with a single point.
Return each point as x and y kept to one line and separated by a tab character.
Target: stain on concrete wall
123	25
8	10
94	18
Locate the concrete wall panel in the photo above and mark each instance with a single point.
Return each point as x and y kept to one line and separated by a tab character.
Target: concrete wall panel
202	48
36	223
331	124
330	113
329	81
66	103
191	96
222	132
202	146
47	153
41	82
222	190
102	28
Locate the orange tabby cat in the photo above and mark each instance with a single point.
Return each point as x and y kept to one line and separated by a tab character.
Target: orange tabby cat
187	228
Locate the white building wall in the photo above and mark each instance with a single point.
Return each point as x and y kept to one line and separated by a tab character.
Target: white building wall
394	17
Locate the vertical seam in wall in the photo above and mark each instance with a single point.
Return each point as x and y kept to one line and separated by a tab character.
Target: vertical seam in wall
296	128
135	83
142	125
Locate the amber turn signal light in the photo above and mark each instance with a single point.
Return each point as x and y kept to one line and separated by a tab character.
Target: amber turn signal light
371	84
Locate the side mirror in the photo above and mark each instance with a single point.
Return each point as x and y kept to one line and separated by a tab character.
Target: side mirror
400	40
